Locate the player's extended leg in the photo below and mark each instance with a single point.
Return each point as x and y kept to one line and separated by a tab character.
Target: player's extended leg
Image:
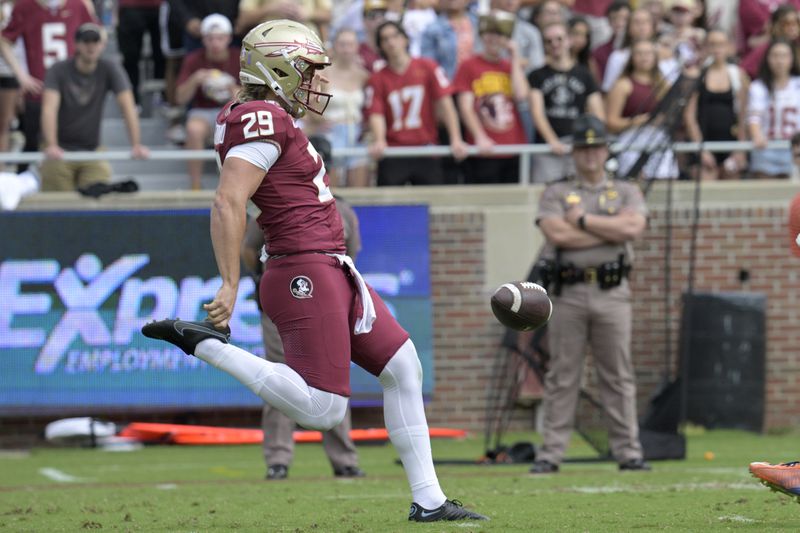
783	477
404	413
275	383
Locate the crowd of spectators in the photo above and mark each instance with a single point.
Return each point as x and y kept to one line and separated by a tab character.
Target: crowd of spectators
422	72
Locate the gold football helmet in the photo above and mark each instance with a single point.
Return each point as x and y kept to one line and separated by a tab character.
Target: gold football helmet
284	55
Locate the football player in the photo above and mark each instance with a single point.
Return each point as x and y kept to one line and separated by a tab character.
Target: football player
324	311
403	100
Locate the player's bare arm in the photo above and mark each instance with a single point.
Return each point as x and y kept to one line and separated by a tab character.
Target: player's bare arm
238	181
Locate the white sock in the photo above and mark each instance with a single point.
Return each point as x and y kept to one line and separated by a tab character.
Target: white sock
276	384
404	414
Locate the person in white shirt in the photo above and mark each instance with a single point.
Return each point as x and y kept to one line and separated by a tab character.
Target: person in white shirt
773	110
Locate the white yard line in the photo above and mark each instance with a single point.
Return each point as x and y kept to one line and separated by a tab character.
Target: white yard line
61	477
598	489
737	518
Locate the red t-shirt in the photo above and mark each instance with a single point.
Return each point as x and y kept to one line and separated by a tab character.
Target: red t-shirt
406	100
751	63
298	212
370	58
48	35
494	104
754	15
596	8
197	60
601	55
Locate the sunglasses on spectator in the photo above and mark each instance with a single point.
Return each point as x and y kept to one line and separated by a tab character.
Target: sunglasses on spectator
375	14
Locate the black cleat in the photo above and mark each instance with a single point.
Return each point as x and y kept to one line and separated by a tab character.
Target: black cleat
349	471
276	472
184	334
543	467
449	510
635	465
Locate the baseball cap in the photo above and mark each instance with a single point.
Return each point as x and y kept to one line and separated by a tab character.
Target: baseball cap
683	5
374	5
496	21
216	23
89	32
588	130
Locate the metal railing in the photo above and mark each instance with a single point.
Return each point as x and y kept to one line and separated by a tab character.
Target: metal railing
525	151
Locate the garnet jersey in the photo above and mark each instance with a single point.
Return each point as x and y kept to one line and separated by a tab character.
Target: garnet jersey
48	34
778	113
406	100
490	84
298	212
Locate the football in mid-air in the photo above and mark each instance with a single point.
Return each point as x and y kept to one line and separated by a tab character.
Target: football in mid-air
521	305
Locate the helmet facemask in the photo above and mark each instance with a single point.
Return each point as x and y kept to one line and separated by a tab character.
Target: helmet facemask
305	96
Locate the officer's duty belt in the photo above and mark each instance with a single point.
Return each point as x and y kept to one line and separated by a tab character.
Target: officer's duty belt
607	275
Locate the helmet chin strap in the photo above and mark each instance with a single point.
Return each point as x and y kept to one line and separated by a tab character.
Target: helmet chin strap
295	108
273	84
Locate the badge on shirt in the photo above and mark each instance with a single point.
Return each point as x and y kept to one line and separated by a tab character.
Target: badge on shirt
608	197
573	198
301	287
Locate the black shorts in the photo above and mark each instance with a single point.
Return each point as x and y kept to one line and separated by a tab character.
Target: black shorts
494	170
8	82
398	171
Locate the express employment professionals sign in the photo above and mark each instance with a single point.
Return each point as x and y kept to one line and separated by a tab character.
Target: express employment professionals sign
76	287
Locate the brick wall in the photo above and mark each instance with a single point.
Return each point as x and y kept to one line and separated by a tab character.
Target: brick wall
730	239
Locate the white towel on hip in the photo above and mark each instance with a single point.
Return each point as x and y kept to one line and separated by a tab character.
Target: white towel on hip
368	315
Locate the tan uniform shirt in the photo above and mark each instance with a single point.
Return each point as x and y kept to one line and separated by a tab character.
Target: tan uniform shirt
605	199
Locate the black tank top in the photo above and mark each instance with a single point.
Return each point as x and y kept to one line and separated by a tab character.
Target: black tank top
716	115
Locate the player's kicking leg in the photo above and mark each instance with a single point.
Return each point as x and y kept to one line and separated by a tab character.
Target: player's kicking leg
404	413
783	477
275	383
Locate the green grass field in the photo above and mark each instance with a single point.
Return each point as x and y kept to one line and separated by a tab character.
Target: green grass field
162	488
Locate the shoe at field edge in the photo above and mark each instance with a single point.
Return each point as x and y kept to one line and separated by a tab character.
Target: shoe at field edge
633	465
449	510
185	334
784	477
275	472
543	467
349	471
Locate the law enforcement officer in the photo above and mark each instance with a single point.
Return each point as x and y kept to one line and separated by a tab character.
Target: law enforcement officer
589	221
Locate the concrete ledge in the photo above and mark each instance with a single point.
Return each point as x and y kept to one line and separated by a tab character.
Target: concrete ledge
457	198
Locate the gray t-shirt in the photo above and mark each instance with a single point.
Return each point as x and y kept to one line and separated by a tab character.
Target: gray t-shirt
82	100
